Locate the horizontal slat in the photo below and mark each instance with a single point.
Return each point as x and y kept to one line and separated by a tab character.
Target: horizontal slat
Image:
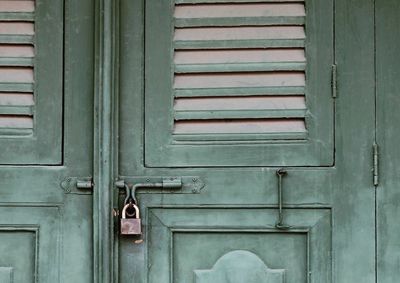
16	75
239	80
16	50
17	6
22	62
13	132
13	98
239	114
243	67
241	10
16	87
239	103
249	137
238	33
245	91
16	110
254	21
16	122
235	1
16	39
16	16
240	126
236	44
238	56
17	28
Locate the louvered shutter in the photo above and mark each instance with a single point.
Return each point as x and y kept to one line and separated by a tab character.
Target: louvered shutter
31	38
238	83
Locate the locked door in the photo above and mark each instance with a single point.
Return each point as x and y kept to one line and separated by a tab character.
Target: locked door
245	139
45	140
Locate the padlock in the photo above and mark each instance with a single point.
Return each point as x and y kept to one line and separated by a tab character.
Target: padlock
131	226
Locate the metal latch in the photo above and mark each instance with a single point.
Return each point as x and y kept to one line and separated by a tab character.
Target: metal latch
77	185
150	184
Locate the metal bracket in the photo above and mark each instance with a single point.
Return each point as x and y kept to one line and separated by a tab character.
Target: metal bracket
77	185
156	184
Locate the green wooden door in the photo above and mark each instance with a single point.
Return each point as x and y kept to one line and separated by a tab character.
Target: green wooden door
46	97
222	94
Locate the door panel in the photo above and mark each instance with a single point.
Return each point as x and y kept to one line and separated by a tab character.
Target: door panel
45	229
197	235
31	82
388	90
256	82
217	239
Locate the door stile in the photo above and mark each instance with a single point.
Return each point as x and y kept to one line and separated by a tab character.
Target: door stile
104	140
355	194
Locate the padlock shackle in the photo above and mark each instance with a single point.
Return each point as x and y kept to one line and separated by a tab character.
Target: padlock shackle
137	215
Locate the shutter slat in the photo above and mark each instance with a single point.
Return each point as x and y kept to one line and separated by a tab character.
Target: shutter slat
243	67
239	114
240	126
239	91
237	44
15	16
238	56
16	110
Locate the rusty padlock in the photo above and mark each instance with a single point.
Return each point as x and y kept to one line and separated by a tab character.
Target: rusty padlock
131	226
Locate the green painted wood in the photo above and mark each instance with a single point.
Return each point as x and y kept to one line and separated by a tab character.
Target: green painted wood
248	91
234	44
45	234
16	110
387	134
14	39
237	209
21	62
331	209
45	145
250	138
238	114
239	67
354	212
17	87
17	16
161	151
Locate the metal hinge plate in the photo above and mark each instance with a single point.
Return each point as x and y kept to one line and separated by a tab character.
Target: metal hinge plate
375	169
334	81
77	185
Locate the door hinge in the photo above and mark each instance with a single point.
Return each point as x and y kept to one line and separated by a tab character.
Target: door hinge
376	164
77	185
334	80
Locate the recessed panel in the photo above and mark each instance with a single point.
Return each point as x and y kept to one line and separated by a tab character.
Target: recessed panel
284	253
18	256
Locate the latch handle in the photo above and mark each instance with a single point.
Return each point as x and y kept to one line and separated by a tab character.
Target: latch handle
280	223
